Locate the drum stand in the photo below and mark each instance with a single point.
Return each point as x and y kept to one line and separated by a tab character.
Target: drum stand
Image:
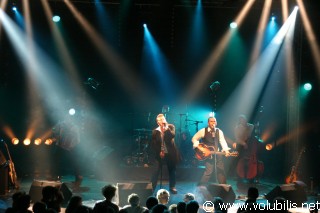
140	155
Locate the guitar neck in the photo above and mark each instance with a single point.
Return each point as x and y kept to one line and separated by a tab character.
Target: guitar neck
217	153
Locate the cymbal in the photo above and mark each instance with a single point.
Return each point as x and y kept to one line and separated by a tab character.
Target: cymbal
143	130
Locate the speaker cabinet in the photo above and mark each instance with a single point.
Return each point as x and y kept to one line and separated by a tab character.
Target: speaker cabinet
224	191
294	192
143	190
37	186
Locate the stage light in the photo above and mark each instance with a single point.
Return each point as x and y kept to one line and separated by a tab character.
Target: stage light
233	25
27	142
212	114
48	142
14	8
273	18
37	141
269	147
307	86
15	141
165	109
144	25
72	111
92	83
215	86
56	18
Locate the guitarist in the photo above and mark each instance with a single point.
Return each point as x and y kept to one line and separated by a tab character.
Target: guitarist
212	136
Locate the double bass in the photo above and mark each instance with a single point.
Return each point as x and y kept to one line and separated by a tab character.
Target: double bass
248	166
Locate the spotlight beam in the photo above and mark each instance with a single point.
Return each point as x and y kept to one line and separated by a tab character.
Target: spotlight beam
153	56
312	39
247	94
64	53
126	76
214	57
285	11
260	31
44	72
3	6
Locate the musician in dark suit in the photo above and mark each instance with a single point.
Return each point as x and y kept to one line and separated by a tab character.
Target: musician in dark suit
242	133
67	133
164	151
212	136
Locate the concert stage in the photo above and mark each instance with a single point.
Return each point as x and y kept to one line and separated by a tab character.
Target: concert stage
142	173
135	179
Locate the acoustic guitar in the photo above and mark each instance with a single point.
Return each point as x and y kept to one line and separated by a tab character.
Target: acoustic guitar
12	172
13	175
294	170
203	152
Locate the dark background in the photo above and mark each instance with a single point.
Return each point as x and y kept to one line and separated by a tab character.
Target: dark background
120	112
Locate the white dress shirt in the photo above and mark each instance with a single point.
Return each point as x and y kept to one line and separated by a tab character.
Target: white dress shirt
201	133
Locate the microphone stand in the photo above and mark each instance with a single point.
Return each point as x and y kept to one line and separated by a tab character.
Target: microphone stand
197	125
215	167
160	173
180	122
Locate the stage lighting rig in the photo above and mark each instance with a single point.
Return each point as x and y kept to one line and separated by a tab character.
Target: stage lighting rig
92	83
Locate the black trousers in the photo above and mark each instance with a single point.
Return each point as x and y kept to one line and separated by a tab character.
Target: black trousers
158	169
210	170
67	162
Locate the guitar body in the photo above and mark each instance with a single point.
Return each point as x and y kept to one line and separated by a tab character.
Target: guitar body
294	174
13	175
12	172
292	177
204	152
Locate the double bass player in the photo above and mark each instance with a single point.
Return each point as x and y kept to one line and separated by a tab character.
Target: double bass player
248	166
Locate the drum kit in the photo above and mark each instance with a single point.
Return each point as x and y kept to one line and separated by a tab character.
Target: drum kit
142	137
140	155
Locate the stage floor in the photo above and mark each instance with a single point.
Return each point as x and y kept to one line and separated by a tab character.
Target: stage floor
90	189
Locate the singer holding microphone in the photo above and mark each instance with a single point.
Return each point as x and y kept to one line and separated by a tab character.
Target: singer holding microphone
165	152
212	136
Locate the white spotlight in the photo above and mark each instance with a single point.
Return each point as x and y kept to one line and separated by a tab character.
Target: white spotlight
56	18
72	111
27	141
233	25
37	141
